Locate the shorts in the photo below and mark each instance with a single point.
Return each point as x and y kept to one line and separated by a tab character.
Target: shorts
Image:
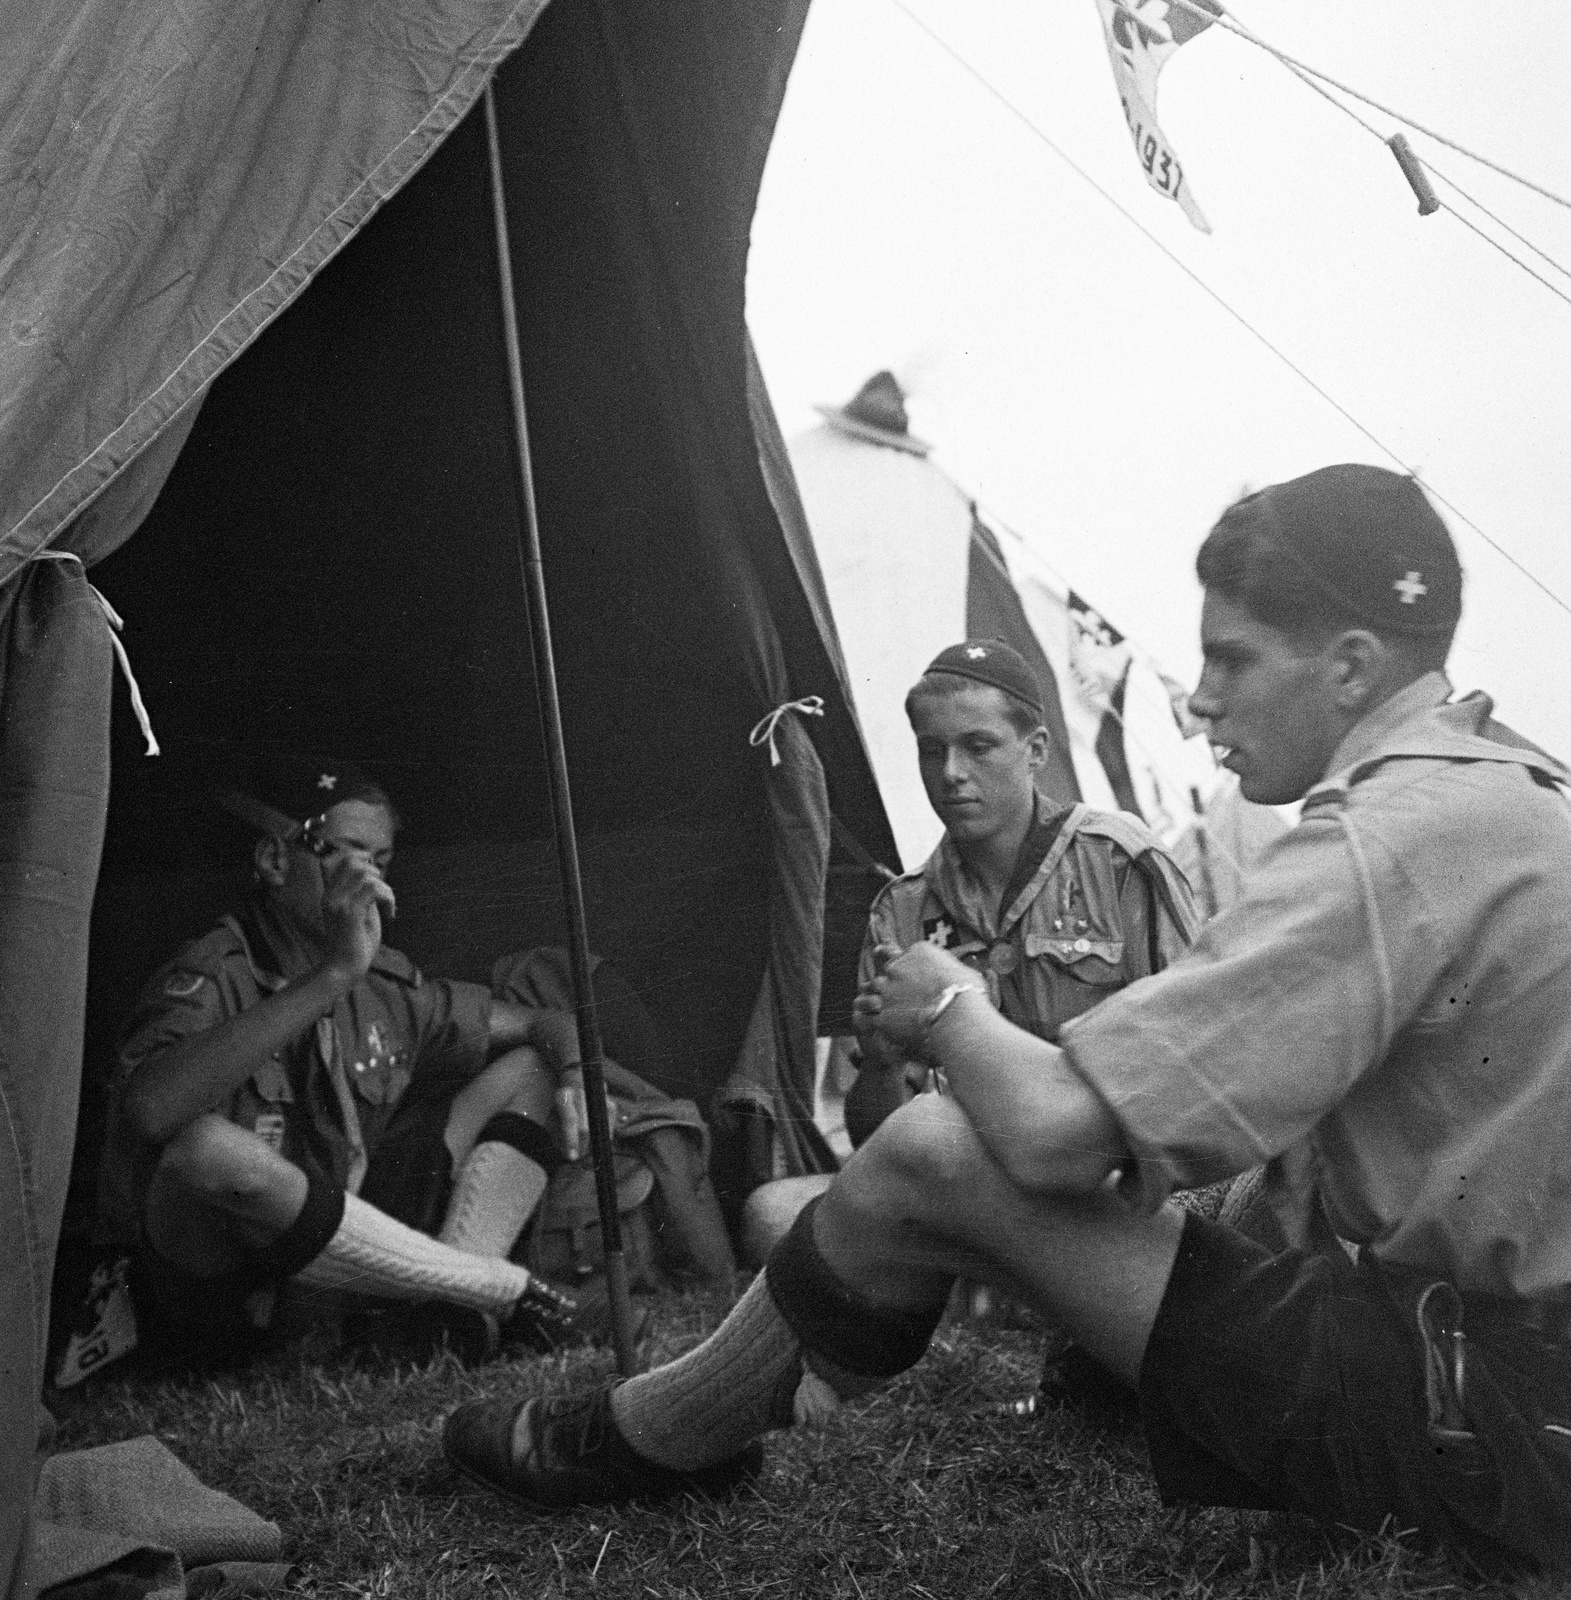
182	1319
411	1172
212	1321
1292	1382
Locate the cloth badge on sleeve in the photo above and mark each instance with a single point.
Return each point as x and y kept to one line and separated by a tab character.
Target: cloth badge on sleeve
269	1128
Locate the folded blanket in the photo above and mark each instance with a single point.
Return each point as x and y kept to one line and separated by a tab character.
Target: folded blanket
132	1519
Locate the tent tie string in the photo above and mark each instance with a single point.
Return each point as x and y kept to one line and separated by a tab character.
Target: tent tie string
116	623
809	706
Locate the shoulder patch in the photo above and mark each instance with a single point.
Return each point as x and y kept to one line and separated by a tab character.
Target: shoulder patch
181	985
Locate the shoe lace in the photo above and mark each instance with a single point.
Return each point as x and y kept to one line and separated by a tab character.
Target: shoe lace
572	1427
544	1310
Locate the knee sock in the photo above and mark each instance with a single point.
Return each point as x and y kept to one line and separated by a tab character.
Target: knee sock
372	1253
499	1185
304	1239
706	1405
798	1339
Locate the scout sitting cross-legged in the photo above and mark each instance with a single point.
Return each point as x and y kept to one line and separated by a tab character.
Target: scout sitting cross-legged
1384	1017
295	1101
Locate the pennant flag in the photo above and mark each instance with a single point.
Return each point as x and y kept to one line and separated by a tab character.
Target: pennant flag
1099	663
1099	655
993	611
1114	757
1126	746
1141	35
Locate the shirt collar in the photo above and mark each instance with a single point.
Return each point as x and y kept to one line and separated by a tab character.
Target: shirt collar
1422	721
1369	735
947	872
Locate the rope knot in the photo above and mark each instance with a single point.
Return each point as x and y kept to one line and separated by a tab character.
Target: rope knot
809	706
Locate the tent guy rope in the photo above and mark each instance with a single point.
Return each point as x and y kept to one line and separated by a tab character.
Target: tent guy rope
1238	316
1232	25
1498	221
1408	159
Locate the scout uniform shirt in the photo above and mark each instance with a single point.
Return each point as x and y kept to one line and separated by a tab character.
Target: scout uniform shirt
326	1098
1385	1014
1094	903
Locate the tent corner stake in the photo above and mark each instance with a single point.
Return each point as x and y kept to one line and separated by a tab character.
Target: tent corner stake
532	573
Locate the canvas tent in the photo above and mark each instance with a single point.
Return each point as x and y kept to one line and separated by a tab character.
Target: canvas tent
326	552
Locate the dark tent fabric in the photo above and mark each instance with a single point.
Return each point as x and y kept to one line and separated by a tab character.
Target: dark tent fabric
54	785
850	883
331	566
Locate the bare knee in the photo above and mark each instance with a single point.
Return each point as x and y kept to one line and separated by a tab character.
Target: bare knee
217	1192
518	1082
531	1085
216	1161
920	1165
770	1211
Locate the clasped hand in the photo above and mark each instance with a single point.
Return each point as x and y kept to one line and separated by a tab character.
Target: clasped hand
890	1013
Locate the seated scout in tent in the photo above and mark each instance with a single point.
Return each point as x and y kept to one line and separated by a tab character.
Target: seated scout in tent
294	1101
1384	1016
1054	907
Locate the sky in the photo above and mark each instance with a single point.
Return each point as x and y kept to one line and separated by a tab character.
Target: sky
1100	401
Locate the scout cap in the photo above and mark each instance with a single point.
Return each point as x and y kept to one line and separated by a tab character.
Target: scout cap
291	794
1367	538
992	662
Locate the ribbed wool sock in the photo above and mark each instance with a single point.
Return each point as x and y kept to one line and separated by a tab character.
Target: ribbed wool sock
708	1404
499	1185
373	1253
749	1375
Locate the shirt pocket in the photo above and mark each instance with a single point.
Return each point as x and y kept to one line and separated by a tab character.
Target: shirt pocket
381	1081
1089	957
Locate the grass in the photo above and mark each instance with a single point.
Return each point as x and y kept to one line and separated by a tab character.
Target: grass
928	1489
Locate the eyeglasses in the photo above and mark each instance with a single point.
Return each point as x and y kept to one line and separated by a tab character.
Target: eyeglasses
310	837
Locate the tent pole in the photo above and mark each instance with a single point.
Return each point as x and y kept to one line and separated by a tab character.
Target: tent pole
533	573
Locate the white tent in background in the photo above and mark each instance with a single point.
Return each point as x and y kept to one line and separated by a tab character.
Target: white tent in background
1218	849
910	566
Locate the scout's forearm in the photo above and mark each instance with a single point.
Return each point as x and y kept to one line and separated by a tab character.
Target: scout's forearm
1035	1117
553	1033
201	1071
